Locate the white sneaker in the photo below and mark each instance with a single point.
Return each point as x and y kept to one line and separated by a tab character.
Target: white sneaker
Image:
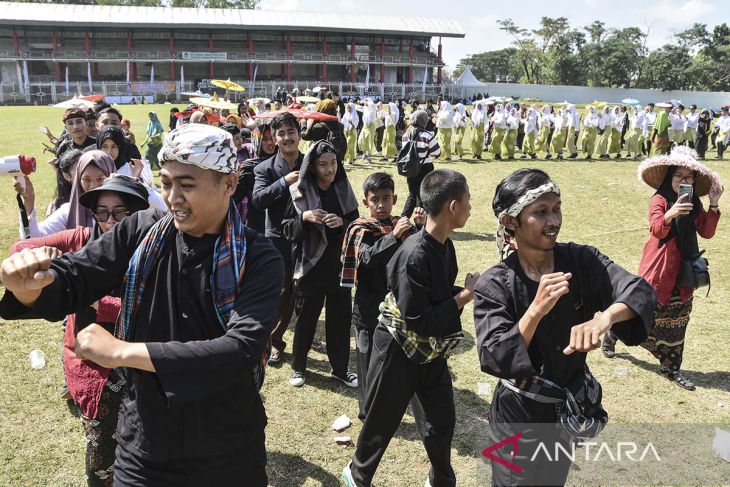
347	475
296	379
428	483
350	380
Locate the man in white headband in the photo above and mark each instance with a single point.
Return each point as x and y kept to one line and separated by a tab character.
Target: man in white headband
537	313
199	294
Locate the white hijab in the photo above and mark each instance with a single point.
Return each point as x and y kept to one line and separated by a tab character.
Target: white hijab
350	119
478	115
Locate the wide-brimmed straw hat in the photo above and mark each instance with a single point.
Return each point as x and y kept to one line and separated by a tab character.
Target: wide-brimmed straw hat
654	169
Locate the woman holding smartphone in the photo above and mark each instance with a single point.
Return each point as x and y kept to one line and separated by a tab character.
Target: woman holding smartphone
676	217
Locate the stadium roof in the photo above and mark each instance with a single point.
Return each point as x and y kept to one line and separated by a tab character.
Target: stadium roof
84	16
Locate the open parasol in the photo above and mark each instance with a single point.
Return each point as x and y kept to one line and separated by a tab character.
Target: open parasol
227	84
198	94
214	102
630	101
300	114
307	99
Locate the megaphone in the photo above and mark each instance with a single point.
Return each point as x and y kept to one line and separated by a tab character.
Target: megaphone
17	165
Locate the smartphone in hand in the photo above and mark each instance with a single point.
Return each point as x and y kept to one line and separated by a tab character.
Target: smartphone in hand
686	189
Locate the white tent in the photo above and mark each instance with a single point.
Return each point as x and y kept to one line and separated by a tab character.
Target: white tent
467	84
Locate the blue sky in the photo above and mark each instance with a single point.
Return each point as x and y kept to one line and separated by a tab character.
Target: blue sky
478	18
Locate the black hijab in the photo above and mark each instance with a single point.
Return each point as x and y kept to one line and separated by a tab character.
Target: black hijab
683	227
115	134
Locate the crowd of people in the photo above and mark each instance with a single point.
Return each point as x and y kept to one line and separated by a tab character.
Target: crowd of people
177	297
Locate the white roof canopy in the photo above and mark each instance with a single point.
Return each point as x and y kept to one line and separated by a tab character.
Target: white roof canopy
85	16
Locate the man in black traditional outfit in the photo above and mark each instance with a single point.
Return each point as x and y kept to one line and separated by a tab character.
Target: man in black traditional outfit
200	293
420	325
535	318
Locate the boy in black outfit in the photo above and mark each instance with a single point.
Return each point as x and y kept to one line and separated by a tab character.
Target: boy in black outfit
419	327
368	246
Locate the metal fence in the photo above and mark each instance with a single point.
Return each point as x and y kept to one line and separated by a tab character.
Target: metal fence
51	92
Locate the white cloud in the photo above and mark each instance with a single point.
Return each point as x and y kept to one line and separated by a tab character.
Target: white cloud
282	5
679	12
484	20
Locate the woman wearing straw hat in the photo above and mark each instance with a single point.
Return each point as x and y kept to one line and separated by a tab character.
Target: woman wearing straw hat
674	223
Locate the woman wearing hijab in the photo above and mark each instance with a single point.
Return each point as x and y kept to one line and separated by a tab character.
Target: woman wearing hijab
659	137
322	207
153	140
634	133
703	132
265	148
590	130
528	142
573	124
460	118
96	390
604	129
350	120
499	122
330	130
366	139
91	170
445	125
391	114
478	120
674	223
617	125
544	122
510	138
560	132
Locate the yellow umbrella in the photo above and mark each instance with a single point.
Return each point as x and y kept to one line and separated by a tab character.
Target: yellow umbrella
307	99
227	84
599	104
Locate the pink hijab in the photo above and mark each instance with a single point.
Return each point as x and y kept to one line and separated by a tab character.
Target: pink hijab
78	215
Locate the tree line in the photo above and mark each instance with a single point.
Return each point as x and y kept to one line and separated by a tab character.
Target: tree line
596	55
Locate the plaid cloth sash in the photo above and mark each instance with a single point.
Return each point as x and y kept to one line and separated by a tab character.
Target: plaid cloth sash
419	349
229	259
579	404
351	244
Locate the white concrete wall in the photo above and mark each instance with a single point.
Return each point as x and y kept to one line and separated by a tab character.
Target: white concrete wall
587	94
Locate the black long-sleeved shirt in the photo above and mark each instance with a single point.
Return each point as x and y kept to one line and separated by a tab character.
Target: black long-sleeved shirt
503	294
421	276
201	401
372	279
324	277
270	192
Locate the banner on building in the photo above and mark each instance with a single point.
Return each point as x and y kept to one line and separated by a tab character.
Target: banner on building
204	56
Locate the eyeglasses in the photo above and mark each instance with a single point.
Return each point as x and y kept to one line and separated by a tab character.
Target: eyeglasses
101	215
685	179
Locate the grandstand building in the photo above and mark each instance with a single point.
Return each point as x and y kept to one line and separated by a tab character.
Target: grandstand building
41	43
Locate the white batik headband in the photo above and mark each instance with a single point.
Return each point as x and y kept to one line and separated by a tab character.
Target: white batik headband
201	145
504	244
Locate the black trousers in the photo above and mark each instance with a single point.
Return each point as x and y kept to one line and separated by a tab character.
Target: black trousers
700	145
511	414
364	343
414	190
286	302
338	313
393	380
245	466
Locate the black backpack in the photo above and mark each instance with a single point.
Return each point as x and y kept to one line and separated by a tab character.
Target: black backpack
407	160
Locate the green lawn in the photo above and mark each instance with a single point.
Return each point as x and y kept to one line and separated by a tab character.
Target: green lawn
604	205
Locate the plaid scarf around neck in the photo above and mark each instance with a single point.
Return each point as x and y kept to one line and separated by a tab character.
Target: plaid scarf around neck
354	236
226	278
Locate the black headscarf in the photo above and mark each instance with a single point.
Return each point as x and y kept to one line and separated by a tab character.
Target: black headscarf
114	133
683	227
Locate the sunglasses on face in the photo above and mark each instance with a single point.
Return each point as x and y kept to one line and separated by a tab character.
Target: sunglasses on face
101	215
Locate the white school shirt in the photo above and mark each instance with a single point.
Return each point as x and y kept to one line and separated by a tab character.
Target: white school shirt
692	119
677	122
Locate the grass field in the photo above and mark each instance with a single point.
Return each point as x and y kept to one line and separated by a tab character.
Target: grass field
603	205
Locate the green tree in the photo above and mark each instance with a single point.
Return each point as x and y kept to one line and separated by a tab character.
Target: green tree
492	66
528	53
